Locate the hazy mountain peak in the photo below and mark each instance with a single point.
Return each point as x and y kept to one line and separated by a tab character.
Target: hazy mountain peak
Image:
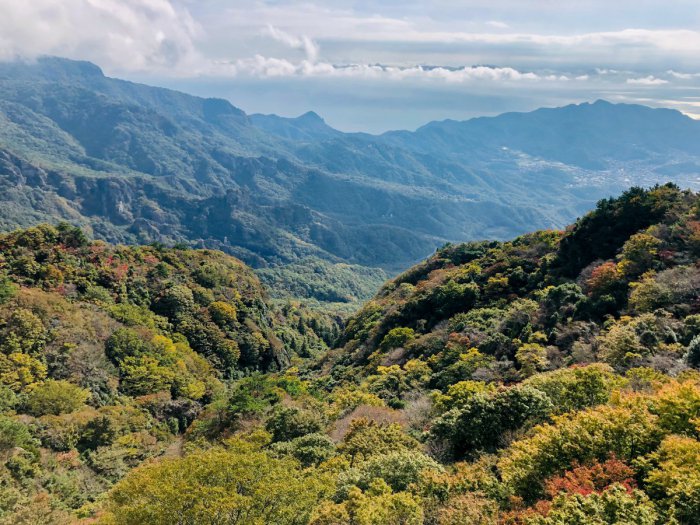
309	126
50	68
311	116
217	107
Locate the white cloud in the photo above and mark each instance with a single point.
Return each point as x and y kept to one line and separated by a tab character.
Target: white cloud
604	71
267	67
423	24
260	66
497	24
123	34
303	43
647	81
683	76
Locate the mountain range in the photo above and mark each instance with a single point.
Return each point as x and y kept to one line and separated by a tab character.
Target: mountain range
136	164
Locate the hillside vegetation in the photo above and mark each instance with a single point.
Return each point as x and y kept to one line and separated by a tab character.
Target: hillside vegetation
108	353
549	380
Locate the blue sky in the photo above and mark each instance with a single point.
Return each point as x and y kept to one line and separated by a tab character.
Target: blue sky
370	65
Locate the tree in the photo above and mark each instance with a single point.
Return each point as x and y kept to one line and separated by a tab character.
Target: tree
677	406
693	355
532	358
252	395
18	370
14	434
601	233
648	294
468	508
675	479
7	289
461	368
71	236
287	423
376	506
367	438
559	302
625	431
453	297
614	505
399	469
620	345
577	387
24	332
595	477
238	485
638	254
223	314
397	337
604	279
176	301
8	399
459	394
55	397
485	419
145	375
125	342
310	449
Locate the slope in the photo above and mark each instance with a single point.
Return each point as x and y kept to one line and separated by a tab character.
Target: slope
548	380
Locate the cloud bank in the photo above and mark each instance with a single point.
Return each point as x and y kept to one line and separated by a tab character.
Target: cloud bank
498	54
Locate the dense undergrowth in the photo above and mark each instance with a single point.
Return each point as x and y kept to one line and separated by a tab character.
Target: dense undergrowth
551	379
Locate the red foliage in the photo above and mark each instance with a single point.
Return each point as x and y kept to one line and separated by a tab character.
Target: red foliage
591	478
121	271
603	278
520	516
583	480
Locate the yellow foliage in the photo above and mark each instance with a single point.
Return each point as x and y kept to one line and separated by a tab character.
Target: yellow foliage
19	371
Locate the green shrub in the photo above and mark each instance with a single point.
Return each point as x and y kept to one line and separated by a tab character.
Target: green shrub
55	397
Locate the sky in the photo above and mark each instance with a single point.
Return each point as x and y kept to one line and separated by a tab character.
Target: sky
371	66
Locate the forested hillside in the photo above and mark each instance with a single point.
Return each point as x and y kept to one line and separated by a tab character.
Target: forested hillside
551	379
107	355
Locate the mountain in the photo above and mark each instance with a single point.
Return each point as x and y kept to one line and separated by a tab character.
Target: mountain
588	136
309	127
138	164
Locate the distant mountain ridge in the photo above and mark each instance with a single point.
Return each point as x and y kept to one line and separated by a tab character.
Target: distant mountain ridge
136	163
640	132
307	127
